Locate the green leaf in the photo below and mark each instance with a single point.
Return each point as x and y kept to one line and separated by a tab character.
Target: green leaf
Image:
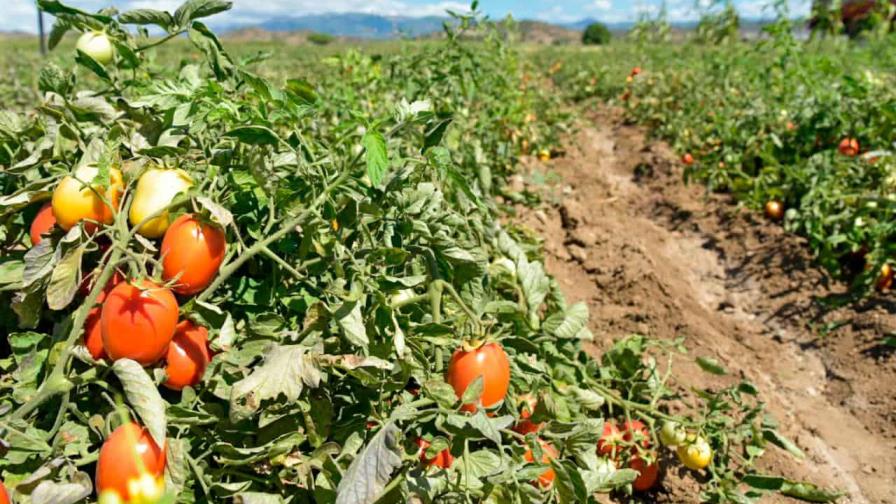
783	442
144	397
301	91
286	370
798	490
65	280
39	262
257	498
50	492
349	318
711	366
91	64
254	135
484	426
147	17
368	474
377	159
567	324
473	392
479	464
195	9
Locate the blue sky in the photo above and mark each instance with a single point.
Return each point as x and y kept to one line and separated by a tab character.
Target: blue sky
20	14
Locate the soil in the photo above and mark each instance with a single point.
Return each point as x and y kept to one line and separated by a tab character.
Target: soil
652	255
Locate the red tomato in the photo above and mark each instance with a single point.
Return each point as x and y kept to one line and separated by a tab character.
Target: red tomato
444	459
93	334
849	147
548	453
192	251
635	432
188	356
526	426
138	321
43	222
610	439
687	159
488	361
636	70
127	454
647	474
4	497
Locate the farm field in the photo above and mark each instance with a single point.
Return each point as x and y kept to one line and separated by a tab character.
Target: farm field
456	270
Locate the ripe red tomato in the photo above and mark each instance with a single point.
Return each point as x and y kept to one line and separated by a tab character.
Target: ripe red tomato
188	356
138	321
4	497
610	439
93	334
444	459
548	452
43	222
635	432
849	147
647	474
526	426
687	159
127	454
488	361
636	70
774	210
194	250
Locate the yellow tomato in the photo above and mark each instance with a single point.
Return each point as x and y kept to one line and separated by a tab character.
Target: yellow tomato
75	199
695	453
155	191
544	155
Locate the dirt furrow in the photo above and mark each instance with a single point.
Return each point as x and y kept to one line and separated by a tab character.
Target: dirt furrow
654	256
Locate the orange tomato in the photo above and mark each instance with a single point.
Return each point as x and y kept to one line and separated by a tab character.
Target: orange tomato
488	361
192	251
885	279
138	321
774	210
128	454
647	474
4	497
548	452
43	222
687	159
525	426
443	459
849	147
188	356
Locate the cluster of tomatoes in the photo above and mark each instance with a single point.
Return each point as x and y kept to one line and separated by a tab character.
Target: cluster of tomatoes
139	319
630	443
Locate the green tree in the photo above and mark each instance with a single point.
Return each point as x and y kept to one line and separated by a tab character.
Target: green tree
596	34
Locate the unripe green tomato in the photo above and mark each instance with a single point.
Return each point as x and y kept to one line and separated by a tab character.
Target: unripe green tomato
96	45
672	434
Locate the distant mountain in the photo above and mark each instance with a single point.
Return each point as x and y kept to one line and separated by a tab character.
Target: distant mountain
356	25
